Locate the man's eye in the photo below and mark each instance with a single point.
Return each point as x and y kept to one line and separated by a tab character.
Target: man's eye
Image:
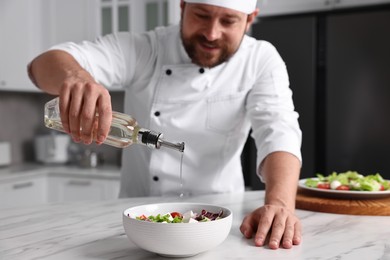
202	16
228	22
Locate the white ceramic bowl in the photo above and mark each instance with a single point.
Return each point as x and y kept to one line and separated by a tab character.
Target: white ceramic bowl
176	239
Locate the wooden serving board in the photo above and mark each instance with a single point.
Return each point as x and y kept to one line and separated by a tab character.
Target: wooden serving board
369	207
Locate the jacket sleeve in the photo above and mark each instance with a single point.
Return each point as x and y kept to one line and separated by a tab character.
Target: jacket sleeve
109	59
270	107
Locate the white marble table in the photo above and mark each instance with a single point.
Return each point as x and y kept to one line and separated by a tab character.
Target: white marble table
93	230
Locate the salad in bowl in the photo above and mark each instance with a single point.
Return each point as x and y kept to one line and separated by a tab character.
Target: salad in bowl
177	229
187	217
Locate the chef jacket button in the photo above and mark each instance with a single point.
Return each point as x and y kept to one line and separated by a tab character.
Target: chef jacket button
168	72
201	70
157	113
155	178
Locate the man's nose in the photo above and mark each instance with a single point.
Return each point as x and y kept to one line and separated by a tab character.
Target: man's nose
213	31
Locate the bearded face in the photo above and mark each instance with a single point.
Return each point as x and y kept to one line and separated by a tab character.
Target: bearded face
211	35
197	47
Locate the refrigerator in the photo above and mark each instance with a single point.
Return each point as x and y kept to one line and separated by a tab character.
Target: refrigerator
339	68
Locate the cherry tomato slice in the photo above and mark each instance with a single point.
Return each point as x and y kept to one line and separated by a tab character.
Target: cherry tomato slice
176	214
325	186
343	187
143	217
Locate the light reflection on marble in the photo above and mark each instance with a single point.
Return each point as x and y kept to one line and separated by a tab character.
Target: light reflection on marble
93	230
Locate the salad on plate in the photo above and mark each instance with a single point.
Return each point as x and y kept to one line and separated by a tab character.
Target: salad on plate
349	181
187	217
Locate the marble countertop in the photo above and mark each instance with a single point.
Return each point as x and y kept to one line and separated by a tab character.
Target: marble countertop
93	230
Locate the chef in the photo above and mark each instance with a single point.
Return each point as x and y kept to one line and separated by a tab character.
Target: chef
204	82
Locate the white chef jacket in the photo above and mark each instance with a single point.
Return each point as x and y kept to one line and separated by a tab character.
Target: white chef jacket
211	110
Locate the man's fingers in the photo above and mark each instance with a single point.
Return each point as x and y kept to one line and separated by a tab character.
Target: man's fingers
264	226
105	117
246	227
64	100
88	116
288	235
75	108
297	233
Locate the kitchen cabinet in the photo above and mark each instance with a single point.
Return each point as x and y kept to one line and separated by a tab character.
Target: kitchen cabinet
114	16
135	15
338	68
284	7
174	12
23	192
287	7
20	29
356	3
357	93
57	184
70	20
28	27
81	188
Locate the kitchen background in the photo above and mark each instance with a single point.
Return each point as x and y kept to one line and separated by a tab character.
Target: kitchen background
337	54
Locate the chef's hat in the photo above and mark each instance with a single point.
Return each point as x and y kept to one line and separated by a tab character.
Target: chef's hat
245	6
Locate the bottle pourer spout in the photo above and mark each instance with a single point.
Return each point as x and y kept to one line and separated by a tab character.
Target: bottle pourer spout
178	146
156	140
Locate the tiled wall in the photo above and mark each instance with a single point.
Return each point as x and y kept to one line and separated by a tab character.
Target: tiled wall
21	119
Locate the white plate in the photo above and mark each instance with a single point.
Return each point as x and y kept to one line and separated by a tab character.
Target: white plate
345	194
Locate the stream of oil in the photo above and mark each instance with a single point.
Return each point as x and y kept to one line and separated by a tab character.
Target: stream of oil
181	176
